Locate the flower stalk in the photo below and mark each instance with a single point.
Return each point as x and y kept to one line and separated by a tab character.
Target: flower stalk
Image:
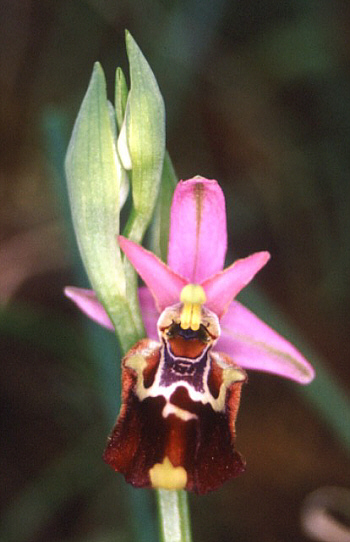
174	517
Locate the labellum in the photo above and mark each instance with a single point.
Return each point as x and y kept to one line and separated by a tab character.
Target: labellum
176	427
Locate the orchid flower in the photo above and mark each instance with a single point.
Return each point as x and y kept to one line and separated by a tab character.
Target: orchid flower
180	396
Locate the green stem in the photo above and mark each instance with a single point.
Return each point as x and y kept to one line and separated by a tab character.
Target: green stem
136	226
174	516
128	324
133	298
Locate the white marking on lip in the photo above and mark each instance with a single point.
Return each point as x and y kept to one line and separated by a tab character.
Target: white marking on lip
231	374
179	412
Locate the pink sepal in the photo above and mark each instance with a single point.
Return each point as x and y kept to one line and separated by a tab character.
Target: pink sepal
252	344
88	303
149	312
198	236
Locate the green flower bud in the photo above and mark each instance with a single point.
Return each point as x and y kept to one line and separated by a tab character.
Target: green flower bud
95	176
141	143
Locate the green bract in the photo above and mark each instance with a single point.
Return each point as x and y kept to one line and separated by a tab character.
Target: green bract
94	174
144	134
121	96
161	221
104	138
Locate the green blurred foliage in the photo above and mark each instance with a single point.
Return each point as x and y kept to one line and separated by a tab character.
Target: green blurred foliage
257	95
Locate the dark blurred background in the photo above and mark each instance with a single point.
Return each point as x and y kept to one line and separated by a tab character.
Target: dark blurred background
257	94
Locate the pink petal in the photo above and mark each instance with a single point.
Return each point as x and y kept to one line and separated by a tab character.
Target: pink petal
254	345
165	285
198	237
224	286
88	303
149	312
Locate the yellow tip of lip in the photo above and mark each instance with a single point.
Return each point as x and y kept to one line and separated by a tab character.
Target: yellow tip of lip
193	297
166	476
